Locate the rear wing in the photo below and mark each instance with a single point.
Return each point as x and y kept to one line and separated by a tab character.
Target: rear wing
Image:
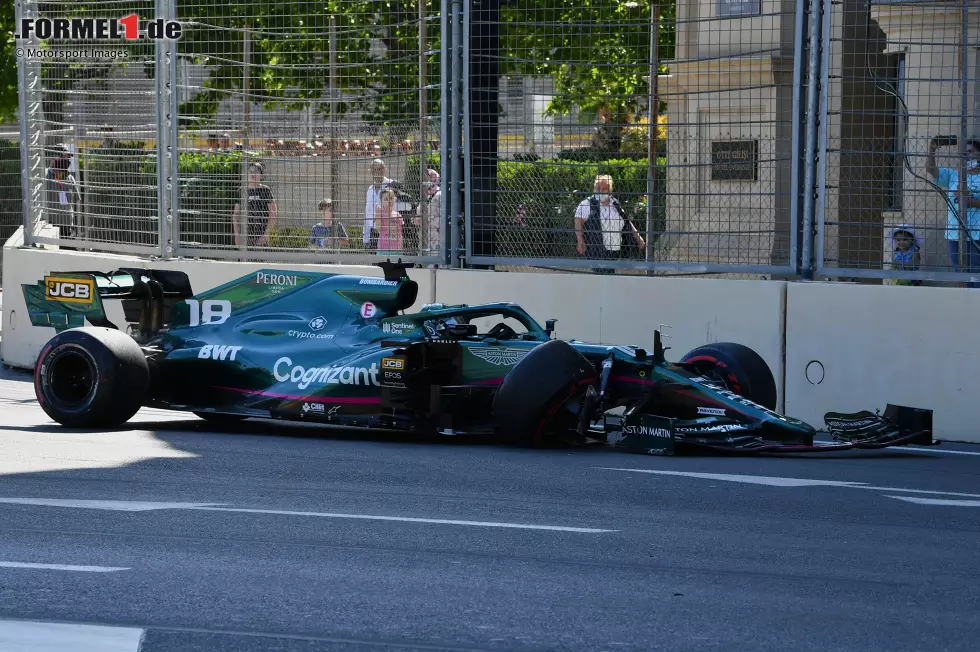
65	300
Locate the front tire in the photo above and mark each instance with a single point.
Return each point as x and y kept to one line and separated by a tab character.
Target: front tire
739	368
529	403
91	377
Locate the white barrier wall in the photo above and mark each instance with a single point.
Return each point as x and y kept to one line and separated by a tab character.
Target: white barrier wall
621	309
21	342
873	345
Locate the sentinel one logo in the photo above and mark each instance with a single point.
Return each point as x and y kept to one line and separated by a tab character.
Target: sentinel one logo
126	28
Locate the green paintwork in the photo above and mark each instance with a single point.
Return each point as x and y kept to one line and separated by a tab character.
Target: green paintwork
302	345
61	315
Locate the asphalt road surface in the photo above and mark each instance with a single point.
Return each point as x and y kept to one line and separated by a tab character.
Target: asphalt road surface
172	536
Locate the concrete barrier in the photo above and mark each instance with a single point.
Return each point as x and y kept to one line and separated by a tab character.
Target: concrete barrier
867	345
21	342
620	309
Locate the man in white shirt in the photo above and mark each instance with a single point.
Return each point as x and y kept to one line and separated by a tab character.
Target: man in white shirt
373	200
601	228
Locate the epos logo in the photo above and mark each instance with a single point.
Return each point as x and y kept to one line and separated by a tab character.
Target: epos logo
71	290
98	29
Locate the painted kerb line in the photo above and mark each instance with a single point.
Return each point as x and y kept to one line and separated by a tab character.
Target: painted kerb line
141	506
61	567
406	519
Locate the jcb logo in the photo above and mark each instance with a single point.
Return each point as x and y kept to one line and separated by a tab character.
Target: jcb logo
392	363
70	290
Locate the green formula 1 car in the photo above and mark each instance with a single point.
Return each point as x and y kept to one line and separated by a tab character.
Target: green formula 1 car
341	351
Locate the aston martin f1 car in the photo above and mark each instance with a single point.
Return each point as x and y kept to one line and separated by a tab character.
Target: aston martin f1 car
341	351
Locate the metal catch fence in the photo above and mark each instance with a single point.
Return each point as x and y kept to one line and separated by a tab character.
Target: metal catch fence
900	117
751	137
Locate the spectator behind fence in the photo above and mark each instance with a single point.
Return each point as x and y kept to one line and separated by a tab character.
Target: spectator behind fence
373	200
906	248
261	211
389	224
64	196
431	209
602	230
949	178
328	234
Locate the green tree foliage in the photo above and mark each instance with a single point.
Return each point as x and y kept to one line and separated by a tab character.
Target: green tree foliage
597	52
376	54
8	67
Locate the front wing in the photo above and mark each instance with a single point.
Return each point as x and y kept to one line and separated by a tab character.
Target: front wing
654	435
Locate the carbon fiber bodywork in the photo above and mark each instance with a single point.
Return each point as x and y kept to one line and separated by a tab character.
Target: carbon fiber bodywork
339	350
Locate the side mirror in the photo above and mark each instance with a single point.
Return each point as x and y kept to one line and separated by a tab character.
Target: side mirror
549	326
459	330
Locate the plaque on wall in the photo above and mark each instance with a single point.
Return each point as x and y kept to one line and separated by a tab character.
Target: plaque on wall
735	160
739	8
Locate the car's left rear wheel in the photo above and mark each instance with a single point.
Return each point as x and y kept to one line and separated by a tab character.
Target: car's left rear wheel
91	377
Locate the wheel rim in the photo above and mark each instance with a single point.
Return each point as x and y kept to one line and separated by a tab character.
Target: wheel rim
71	378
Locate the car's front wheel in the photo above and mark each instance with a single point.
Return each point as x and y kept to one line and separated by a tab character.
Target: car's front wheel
91	377
738	368
539	398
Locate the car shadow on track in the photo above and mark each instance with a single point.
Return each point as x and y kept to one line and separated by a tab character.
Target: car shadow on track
313	431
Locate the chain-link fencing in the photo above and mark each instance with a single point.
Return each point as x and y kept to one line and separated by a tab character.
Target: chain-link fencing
703	182
737	137
255	135
87	111
902	124
285	111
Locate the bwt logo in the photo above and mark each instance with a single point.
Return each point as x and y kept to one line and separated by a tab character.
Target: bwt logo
98	29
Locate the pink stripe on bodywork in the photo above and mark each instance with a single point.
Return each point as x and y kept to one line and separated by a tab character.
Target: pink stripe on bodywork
363	400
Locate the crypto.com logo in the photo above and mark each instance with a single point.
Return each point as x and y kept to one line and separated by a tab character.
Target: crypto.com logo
98	29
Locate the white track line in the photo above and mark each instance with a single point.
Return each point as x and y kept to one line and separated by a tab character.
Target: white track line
938	502
933	450
406	519
771	481
28	636
61	567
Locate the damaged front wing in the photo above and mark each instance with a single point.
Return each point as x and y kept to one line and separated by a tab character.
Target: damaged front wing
648	434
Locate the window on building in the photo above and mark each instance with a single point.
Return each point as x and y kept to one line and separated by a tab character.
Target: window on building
895	85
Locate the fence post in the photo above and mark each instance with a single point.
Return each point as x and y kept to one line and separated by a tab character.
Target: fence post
332	61
964	196
242	217
168	187
28	81
459	107
809	183
799	120
423	137
445	119
652	103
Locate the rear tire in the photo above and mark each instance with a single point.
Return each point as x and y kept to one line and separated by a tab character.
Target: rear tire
91	377
741	369
528	403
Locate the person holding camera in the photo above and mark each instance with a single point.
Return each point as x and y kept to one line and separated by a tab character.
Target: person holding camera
949	178
602	229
